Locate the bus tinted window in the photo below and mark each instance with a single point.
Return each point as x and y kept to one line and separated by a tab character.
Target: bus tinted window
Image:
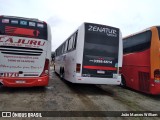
137	42
75	40
99	43
66	44
23	28
70	43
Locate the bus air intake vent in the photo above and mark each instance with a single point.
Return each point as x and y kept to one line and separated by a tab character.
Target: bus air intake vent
21	50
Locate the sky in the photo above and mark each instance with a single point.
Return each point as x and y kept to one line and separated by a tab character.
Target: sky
65	16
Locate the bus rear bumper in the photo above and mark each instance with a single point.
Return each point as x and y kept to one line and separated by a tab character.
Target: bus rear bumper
25	82
96	80
155	89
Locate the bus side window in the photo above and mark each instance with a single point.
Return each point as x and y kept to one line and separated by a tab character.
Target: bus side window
137	42
66	46
63	47
75	40
70	43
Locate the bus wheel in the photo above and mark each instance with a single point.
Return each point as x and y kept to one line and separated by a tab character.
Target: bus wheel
62	73
123	82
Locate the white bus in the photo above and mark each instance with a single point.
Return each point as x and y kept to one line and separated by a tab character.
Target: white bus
91	55
25	50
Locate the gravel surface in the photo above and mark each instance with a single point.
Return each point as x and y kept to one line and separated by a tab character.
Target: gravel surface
64	96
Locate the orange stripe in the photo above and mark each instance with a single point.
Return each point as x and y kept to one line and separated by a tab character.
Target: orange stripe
99	68
154	51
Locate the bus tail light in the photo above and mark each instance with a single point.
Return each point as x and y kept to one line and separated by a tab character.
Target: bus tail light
78	68
46	68
157	76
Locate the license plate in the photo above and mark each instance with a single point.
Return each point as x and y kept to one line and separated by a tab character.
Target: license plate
100	72
20	81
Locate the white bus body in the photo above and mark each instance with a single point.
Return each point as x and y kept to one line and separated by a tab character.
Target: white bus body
93	56
25	50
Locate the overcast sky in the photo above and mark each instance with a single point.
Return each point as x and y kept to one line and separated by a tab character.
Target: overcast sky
65	16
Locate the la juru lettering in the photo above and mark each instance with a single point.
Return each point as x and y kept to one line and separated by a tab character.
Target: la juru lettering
106	30
21	41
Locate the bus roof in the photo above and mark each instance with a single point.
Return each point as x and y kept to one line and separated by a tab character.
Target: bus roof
32	19
140	31
99	24
83	23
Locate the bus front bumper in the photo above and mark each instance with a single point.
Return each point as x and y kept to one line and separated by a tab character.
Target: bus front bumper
155	89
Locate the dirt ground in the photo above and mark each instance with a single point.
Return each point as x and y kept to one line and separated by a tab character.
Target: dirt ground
64	96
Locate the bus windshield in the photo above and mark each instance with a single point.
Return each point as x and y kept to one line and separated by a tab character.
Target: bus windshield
23	28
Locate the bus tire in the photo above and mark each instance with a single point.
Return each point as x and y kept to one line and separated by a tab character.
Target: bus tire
123	82
62	73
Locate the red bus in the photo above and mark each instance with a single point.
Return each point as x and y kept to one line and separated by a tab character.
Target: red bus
25	49
141	61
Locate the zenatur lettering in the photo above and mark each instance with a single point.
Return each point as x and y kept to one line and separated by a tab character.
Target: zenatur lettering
108	31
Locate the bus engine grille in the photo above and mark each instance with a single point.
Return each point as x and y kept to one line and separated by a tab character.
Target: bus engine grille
13	50
143	81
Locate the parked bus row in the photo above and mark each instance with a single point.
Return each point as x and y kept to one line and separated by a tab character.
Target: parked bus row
97	57
93	54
